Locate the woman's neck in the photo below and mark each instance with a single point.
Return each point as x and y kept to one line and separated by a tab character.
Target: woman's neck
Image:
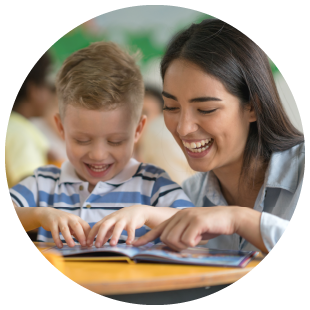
236	189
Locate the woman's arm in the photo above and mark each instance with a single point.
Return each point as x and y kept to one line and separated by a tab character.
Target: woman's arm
247	223
188	227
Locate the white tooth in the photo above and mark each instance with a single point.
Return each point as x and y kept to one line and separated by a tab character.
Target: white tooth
207	146
187	145
203	142
183	142
207	141
203	149
199	150
198	144
193	145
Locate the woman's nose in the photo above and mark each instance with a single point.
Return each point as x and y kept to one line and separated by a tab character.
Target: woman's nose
186	124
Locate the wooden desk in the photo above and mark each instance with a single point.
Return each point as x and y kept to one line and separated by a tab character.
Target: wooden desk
109	278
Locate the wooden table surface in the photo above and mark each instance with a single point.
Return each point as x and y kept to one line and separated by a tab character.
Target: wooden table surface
108	278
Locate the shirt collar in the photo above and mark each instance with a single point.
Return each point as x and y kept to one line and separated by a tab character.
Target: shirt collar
213	190
68	174
282	172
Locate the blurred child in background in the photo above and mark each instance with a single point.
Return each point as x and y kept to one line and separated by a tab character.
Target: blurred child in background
46	124
157	146
26	147
152	108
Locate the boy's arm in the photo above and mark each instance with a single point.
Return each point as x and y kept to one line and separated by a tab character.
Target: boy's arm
155	216
55	221
28	217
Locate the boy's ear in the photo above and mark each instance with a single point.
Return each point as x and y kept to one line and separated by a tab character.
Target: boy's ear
59	125
140	128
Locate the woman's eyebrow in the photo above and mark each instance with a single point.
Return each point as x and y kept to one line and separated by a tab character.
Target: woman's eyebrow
167	95
199	99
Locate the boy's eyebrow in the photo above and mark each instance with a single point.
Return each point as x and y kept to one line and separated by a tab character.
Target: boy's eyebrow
199	99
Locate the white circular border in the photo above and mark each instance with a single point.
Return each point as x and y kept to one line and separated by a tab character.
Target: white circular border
29	28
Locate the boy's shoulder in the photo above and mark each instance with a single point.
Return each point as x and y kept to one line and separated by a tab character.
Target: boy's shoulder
147	169
48	172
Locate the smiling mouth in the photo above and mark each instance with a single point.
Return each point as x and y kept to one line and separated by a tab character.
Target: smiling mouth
198	147
98	168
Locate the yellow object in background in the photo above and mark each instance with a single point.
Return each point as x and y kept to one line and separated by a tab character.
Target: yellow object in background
25	149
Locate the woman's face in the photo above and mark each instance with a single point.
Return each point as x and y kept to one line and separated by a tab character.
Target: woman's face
206	121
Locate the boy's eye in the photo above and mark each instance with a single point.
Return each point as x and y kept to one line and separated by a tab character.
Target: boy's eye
115	143
82	141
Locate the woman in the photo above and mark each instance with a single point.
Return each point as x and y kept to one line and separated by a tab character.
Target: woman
223	109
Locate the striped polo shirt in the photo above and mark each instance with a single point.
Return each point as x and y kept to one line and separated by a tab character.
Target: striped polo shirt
137	183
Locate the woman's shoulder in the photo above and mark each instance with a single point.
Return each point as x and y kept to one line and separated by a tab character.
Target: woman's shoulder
286	168
297	152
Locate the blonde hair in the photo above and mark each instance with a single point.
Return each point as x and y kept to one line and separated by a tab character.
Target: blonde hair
100	76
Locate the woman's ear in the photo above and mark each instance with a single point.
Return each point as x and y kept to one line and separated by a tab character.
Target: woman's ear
140	128
59	125
251	113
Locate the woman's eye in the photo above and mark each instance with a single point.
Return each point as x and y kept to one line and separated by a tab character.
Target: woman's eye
207	112
165	108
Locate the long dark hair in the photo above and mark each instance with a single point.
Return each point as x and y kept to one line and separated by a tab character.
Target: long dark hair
236	61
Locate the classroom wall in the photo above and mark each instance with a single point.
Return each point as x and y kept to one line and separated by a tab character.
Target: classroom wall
148	29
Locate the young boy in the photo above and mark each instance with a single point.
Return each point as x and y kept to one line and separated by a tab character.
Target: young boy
101	191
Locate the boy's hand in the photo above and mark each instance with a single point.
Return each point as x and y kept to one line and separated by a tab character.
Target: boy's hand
56	221
128	218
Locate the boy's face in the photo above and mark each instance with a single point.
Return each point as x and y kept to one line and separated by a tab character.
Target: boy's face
99	143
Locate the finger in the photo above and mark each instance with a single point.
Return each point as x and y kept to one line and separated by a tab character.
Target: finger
130	234
172	235
92	234
108	235
78	232
102	232
55	235
64	229
208	236
86	228
118	228
151	235
191	235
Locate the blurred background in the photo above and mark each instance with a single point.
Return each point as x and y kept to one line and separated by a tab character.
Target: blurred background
146	29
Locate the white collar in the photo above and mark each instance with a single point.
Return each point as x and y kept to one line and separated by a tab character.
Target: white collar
68	174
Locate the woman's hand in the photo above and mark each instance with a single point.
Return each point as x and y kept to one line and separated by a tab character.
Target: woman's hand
189	226
129	218
56	221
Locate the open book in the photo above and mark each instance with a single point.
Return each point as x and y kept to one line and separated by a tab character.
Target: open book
159	253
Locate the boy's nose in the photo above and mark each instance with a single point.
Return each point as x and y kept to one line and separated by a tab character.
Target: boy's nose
98	153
